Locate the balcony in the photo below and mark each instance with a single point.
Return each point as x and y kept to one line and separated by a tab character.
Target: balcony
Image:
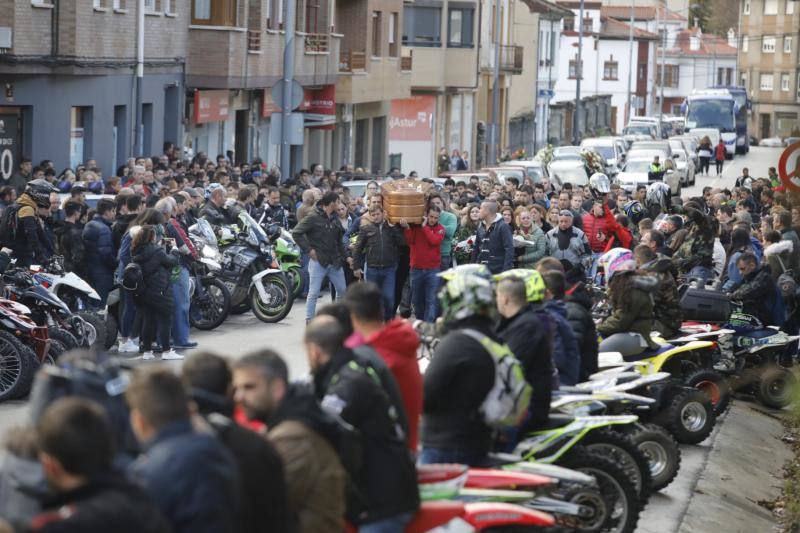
510	58
352	61
407	63
316	43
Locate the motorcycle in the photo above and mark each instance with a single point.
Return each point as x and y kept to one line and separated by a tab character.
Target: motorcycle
287	254
210	300
252	275
24	347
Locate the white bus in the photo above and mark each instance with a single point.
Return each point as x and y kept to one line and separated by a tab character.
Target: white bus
713	108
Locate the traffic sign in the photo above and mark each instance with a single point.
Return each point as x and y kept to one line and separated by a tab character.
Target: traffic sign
789	167
546	93
297	94
296	125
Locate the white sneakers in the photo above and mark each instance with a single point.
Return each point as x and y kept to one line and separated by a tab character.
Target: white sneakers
129	346
171	355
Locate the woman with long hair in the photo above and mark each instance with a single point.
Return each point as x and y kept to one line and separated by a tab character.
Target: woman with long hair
534	243
740	243
155	302
466	229
507	212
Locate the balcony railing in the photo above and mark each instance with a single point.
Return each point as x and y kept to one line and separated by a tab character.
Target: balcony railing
406	62
254	40
511	58
316	43
352	61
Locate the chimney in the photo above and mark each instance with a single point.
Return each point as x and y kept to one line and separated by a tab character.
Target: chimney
694	40
732	38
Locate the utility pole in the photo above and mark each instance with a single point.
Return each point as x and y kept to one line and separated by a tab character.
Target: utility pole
576	121
663	43
496	85
286	104
631	66
138	149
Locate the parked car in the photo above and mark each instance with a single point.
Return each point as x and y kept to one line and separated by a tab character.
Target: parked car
609	148
562	153
534	168
636	170
568	171
772	142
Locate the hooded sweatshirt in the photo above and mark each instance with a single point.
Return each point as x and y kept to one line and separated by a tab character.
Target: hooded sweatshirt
397	344
779	257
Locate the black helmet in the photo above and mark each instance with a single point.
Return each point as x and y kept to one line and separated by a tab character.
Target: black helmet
40	190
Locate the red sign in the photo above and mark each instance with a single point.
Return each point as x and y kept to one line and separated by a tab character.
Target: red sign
789	167
410	119
268	106
211	106
322	101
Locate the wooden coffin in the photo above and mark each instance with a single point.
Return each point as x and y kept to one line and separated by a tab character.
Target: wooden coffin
405	199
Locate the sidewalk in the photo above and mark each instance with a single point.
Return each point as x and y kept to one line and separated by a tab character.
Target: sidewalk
743	466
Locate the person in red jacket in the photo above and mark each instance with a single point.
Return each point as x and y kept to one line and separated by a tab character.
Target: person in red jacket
424	242
603	232
396	342
719	155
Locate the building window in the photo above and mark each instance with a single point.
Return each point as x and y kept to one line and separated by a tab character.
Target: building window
611	70
99	4
768	45
573	74
787	45
587	25
770	7
169	7
376	34
393	48
459	29
642	72
149	6
275	14
785	82
670	76
746	7
214	12
569	24
745	43
790	7
119	4
422	26
744	81
766	82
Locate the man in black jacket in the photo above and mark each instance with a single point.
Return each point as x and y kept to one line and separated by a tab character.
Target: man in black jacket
319	235
70	242
264	505
347	388
494	243
377	246
214	208
76	449
757	290
460	376
274	213
530	340
128	208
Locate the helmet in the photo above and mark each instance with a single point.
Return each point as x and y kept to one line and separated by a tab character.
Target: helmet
40	190
617	260
472	269
747	183
658	195
599	184
464	296
534	283
213	187
635	211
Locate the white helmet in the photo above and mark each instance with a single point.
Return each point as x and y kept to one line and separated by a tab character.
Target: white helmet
658	195
600	184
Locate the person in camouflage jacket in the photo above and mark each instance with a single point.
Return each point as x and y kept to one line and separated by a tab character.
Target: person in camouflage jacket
666	301
694	256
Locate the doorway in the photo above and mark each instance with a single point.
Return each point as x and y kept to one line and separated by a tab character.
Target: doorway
240	144
765	125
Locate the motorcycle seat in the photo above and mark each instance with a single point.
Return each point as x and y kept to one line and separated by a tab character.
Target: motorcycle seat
648	353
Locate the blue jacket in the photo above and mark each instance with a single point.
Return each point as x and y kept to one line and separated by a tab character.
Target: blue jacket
494	247
192	478
101	257
566	356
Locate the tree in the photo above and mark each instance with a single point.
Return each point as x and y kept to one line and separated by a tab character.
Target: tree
701	11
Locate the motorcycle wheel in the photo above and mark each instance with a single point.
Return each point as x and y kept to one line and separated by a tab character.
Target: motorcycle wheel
295	277
64	337
112	331
212	312
56	350
625	452
689	416
615	502
280	299
661	450
95	341
775	387
18	364
713	384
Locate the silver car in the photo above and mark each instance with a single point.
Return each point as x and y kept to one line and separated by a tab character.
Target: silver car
636	172
684	163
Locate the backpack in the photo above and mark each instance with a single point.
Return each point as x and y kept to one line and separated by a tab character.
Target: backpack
133	279
507	403
8	226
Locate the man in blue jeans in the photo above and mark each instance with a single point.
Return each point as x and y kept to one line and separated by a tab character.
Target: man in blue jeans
377	246
424	242
319	235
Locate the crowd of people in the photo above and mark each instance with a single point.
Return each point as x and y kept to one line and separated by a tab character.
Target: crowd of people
241	447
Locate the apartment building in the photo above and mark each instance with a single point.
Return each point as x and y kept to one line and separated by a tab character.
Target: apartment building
769	65
442	38
68	75
374	73
235	57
